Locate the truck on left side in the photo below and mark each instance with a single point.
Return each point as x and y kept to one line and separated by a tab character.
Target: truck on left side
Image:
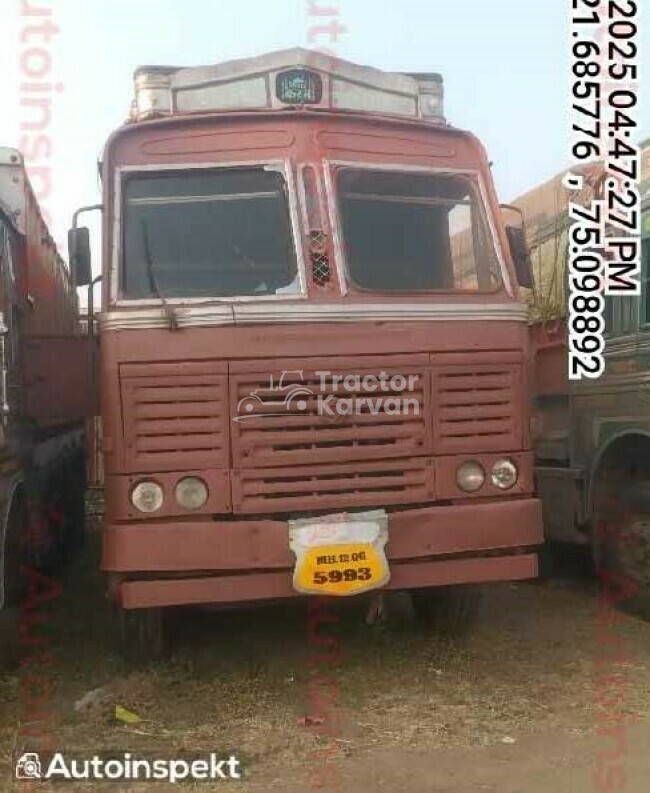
45	397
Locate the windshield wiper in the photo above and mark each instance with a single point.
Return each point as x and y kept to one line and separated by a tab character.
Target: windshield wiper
153	284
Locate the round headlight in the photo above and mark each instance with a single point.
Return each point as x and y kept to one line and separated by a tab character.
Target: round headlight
147	497
191	492
470	477
504	474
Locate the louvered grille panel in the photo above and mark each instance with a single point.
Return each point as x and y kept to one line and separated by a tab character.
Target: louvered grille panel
175	417
290	427
346	486
477	411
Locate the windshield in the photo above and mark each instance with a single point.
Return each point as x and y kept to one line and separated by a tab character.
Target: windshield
412	232
208	233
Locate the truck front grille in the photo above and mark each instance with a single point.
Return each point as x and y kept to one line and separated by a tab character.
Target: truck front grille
298	432
332	486
478	411
286	455
175	416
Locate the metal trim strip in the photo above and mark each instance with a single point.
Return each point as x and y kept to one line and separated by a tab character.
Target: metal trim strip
248	314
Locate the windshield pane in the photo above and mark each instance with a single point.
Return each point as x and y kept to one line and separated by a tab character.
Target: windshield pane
215	233
413	232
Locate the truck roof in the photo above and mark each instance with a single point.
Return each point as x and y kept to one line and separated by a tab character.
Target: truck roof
19	204
287	78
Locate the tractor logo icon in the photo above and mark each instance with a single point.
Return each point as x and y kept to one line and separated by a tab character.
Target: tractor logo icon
288	395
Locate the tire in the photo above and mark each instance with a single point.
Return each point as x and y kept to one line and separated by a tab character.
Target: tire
621	546
17	552
63	510
449	610
75	508
547	560
10	651
141	633
15	584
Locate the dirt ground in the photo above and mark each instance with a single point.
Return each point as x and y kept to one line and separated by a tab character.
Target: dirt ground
550	693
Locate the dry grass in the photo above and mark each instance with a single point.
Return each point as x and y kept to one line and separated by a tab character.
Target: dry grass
238	681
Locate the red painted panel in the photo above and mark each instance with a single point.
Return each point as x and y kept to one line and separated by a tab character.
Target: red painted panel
175	416
548	341
271	586
253	346
58	380
478	408
400	146
213	142
263	544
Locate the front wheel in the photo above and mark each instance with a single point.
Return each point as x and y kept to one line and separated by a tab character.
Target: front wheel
15	582
142	638
450	610
621	547
9	638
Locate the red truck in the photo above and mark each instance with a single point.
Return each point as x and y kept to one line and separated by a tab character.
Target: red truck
44	397
313	368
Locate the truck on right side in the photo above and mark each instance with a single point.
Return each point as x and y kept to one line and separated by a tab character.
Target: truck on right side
592	437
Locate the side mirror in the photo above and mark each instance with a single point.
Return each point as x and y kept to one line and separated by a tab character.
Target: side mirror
80	259
520	256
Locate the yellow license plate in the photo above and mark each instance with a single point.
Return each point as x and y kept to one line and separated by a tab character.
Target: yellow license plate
341	569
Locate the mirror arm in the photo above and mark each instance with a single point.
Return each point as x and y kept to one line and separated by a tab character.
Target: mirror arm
91	304
90	208
91	339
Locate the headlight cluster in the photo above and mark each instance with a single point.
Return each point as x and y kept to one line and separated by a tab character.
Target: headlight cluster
147	496
191	493
470	476
504	474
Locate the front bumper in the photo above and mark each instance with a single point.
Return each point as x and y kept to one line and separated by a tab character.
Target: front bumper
186	562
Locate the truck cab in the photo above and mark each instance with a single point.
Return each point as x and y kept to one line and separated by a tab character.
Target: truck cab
314	357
